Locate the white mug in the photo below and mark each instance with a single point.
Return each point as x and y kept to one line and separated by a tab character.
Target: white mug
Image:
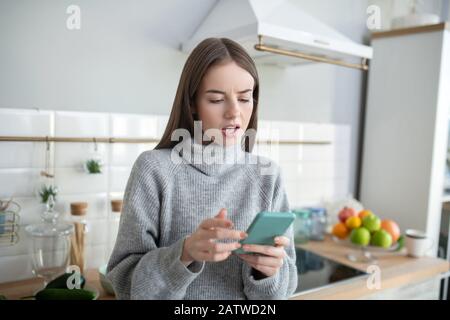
417	243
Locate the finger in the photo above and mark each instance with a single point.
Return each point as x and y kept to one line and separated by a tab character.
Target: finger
216	222
222	213
272	251
215	257
281	241
262	260
217	247
222	233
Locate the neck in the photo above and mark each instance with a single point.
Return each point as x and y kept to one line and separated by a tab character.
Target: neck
211	158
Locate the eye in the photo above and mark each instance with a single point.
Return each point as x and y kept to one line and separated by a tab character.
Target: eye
244	100
216	101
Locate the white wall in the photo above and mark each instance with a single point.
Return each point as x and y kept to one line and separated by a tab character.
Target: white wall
125	59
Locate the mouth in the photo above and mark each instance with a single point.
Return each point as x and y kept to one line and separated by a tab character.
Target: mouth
230	131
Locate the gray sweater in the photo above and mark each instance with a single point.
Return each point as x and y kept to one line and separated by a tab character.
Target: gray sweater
168	194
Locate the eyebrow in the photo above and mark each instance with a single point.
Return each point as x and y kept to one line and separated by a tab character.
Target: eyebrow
222	92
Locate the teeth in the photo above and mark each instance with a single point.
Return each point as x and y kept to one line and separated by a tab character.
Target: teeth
230	130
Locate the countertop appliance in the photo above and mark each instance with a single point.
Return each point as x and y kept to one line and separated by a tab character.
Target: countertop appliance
316	272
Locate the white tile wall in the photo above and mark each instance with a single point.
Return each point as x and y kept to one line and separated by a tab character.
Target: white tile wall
74	155
75	181
79	124
311	173
18	182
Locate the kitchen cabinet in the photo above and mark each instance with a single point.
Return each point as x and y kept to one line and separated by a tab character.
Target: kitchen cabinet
406	127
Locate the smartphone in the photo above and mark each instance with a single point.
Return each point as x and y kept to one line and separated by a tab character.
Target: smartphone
265	227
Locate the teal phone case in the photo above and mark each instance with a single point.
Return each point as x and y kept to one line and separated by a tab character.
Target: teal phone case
265	227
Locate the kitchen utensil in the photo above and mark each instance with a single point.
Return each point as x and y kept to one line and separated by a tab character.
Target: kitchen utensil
9	222
417	243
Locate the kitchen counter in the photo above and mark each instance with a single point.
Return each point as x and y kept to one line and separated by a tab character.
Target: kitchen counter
400	275
23	288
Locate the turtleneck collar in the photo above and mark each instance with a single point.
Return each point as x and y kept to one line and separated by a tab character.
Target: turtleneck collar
211	159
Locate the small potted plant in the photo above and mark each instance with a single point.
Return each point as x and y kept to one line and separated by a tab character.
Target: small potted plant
46	191
93	166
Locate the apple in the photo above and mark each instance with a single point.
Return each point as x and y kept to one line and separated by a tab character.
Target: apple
372	223
382	238
360	236
346	213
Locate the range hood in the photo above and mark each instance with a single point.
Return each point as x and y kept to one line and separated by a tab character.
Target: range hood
277	32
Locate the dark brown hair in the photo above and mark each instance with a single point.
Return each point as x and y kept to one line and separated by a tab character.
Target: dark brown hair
207	53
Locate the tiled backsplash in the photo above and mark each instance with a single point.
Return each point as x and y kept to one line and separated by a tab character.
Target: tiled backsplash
312	173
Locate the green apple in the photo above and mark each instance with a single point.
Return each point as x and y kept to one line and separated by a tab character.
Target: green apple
360	236
382	238
372	223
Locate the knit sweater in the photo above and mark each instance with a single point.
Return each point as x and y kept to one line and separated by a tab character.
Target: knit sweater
168	194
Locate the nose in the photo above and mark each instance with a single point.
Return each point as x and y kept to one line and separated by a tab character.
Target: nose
232	110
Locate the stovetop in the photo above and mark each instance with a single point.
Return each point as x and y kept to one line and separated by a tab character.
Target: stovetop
315	271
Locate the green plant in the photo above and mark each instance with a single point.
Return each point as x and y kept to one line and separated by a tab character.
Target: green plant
47	191
93	166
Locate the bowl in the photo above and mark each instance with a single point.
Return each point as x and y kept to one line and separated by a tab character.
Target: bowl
365	253
106	284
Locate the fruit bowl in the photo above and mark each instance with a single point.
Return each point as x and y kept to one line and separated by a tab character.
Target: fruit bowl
366	253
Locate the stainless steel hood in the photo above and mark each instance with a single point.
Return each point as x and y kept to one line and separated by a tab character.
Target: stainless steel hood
277	32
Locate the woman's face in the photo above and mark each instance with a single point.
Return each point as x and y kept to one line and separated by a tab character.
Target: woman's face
225	101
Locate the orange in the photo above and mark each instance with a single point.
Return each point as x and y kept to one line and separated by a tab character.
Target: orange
364	213
353	222
340	230
392	228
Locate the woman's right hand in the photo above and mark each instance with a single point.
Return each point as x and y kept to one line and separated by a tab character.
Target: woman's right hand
202	245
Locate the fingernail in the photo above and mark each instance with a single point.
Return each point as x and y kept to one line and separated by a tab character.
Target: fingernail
277	239
243	235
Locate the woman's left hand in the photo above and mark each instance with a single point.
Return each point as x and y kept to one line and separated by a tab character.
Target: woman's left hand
270	259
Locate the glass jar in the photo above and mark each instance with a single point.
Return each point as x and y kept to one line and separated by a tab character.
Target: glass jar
78	211
302	226
50	244
318	223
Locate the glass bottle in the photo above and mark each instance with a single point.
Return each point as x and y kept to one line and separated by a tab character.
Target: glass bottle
302	226
318	223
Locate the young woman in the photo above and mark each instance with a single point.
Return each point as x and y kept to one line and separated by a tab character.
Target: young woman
182	218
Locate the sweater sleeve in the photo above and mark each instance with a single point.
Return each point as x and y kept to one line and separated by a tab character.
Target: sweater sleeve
138	268
282	284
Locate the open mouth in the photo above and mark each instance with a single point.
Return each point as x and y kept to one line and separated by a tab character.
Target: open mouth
230	131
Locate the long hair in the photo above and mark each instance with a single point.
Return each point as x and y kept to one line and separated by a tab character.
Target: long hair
207	53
